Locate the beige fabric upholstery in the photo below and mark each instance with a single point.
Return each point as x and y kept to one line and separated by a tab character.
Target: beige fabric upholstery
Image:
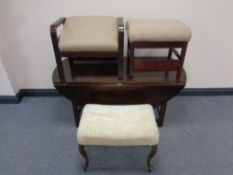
118	125
89	33
158	31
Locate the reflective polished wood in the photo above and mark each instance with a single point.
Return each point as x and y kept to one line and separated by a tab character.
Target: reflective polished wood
98	83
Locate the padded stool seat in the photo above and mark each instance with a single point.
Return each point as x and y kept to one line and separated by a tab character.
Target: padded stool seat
157	34
89	33
118	125
88	38
157	31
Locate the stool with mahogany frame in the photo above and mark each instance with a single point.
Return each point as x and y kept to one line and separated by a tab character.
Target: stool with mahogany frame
89	55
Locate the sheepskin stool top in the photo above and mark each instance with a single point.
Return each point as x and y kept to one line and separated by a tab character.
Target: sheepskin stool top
118	125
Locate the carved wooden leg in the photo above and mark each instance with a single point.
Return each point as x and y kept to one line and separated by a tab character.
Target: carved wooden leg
150	156
84	154
162	111
77	110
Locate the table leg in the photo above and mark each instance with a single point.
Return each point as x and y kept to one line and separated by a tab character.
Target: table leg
77	110
161	110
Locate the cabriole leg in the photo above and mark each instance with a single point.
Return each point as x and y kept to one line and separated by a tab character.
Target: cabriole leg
150	156
84	154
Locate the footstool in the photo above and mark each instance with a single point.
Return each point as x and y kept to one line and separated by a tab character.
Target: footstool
118	125
154	34
88	38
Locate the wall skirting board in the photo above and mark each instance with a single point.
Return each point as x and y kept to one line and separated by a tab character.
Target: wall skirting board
53	92
29	93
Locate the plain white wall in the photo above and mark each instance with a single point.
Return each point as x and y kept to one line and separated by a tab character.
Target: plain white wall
8	81
209	61
5	85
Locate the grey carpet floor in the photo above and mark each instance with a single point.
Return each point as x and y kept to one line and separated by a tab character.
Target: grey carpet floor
38	137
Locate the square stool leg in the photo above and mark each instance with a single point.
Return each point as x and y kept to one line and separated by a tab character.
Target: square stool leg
130	61
181	59
120	49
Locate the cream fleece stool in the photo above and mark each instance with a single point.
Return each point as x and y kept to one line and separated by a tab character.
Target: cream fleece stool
118	125
170	34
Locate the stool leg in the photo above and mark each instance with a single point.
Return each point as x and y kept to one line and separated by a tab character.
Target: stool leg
169	54
120	67
131	60
128	60
150	156
84	154
182	57
169	57
121	49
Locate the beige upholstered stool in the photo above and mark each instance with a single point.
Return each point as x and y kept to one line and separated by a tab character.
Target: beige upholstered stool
150	34
118	125
88	38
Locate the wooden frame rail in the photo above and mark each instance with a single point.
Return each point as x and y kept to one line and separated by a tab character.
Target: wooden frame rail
136	64
54	38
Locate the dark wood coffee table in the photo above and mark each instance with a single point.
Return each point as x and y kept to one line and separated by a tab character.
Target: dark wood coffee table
99	84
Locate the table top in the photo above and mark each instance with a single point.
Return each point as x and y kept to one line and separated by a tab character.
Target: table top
99	84
106	74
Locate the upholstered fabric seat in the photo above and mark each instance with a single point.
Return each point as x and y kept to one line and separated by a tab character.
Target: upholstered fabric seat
118	125
158	31
89	33
88	37
156	34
